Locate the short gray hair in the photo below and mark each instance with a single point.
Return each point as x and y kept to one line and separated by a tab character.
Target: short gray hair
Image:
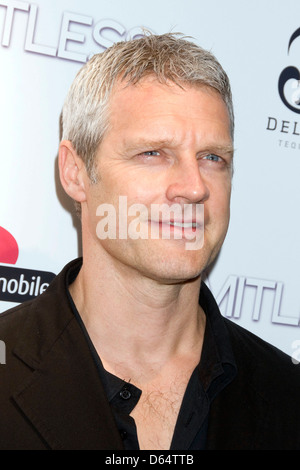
168	57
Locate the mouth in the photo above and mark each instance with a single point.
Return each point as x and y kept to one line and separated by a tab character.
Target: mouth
194	225
176	229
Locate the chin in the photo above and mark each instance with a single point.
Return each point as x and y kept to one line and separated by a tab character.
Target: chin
176	268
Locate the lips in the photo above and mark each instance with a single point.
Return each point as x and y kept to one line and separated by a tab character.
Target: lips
182	224
175	228
178	223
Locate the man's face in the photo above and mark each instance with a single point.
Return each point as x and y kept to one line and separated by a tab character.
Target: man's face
165	145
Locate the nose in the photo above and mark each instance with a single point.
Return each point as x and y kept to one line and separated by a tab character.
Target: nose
186	183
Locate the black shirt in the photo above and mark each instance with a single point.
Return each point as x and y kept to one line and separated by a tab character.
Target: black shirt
216	370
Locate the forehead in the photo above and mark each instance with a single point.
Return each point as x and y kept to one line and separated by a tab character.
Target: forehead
150	88
151	107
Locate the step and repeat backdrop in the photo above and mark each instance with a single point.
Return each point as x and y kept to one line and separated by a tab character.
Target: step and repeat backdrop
256	277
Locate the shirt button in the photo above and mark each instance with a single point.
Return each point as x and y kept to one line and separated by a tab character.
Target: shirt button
125	394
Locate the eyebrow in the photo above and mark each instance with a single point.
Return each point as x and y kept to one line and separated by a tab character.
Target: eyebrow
142	144
219	148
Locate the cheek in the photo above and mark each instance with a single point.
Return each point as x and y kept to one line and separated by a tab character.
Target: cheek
140	190
223	204
218	204
123	181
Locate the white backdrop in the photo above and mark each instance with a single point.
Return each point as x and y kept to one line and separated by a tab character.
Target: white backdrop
43	45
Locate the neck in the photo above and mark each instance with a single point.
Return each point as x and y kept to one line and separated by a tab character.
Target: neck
149	321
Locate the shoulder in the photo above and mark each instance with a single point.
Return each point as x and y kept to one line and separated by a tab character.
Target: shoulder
37	317
274	370
249	349
253	344
12	319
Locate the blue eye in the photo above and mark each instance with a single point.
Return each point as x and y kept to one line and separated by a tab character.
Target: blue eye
151	153
212	158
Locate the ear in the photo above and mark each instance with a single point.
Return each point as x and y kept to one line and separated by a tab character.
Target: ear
72	171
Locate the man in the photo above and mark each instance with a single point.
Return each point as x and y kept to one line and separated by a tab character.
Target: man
127	348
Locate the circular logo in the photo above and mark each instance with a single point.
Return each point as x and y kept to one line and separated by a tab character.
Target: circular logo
9	250
289	82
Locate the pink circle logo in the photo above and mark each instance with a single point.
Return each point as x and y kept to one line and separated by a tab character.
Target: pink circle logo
9	250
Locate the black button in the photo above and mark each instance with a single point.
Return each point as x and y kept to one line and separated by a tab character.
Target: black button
123	435
125	394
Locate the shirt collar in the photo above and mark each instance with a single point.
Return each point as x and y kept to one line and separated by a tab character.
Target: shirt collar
217	366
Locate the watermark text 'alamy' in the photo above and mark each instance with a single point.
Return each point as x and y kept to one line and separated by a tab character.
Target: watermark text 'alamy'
159	221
